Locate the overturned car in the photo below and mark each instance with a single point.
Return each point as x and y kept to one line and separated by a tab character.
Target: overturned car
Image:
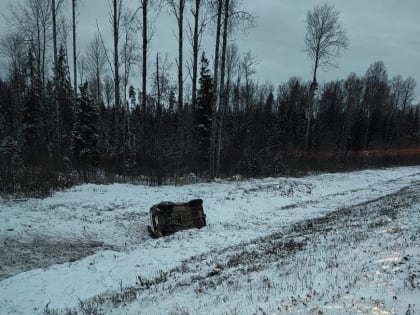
169	217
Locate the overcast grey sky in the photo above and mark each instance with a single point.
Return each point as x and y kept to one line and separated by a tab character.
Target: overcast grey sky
387	30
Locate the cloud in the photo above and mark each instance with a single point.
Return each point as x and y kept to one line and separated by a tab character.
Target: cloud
384	30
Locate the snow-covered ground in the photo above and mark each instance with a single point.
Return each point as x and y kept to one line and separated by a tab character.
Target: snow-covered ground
325	244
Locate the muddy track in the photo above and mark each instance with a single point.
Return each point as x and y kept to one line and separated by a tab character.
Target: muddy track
210	270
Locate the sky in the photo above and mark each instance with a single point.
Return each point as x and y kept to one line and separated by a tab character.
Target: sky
378	30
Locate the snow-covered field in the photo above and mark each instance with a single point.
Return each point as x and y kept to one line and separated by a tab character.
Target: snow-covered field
344	243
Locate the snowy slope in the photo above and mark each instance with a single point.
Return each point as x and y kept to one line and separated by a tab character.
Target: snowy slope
126	272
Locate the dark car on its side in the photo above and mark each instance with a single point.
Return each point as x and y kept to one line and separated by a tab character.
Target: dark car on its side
169	217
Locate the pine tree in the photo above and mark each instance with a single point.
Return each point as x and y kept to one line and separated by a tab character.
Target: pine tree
85	133
204	111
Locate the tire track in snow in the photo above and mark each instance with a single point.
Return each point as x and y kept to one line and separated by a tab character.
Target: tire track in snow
213	269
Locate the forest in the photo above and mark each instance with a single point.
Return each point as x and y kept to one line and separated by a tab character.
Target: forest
61	125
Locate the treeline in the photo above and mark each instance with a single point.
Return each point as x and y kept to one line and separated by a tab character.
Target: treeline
227	124
263	127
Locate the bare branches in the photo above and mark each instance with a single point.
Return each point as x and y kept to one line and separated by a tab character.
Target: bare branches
325	36
240	21
177	7
96	59
13	48
115	20
104	48
95	55
200	16
32	20
130	45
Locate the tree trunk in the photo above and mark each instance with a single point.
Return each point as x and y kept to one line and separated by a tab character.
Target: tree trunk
144	70
212	152
366	140
98	85
74	54
346	129
309	122
195	53
157	139
313	88
158	84
57	109
222	98
116	25
180	55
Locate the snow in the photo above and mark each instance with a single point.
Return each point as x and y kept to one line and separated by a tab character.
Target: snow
250	258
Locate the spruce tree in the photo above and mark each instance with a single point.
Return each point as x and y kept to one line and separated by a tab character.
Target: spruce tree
204	111
85	133
65	110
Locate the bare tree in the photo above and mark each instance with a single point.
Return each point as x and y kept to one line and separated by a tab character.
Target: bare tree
144	4
74	52
54	21
32	19
402	94
13	48
212	151
248	67
200	16
54	9
232	65
325	38
233	18
108	90
230	61
129	57
222	98
150	9
375	95
81	67
177	7
96	60
353	87
161	80
129	48
115	19
147	33
63	33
